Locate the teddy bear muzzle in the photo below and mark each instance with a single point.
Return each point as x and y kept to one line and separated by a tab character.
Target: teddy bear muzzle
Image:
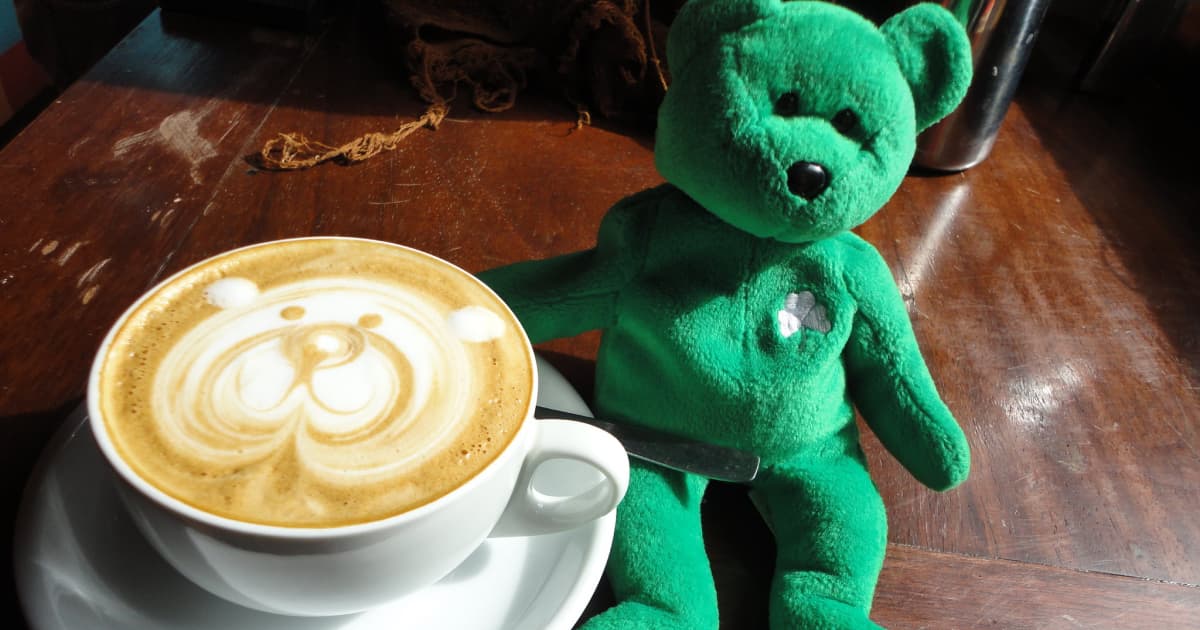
807	179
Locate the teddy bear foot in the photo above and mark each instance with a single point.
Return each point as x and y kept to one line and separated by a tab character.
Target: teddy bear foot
630	615
818	613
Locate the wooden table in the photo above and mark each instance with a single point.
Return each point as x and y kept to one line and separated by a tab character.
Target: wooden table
1054	290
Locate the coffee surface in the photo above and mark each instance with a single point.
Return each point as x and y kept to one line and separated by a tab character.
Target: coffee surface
315	383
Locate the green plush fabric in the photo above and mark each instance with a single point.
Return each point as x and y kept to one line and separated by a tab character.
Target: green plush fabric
737	307
925	41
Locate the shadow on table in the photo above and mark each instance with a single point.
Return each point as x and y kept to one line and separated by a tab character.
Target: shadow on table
1129	157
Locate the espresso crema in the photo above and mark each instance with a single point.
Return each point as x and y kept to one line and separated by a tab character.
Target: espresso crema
315	382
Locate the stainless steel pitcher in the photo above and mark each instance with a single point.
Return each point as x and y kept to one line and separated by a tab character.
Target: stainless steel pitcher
1002	34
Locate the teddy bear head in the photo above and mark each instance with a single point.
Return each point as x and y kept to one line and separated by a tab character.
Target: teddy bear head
798	120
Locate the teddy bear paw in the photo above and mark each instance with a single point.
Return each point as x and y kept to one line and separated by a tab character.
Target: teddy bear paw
628	615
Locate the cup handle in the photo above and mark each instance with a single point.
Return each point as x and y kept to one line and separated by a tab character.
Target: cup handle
531	512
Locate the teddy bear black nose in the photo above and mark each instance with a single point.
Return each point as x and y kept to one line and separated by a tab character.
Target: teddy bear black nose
807	179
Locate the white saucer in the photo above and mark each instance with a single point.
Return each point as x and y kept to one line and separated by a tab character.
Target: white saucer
81	563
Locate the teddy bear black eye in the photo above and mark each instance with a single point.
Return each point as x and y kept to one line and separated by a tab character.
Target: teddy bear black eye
787	105
845	121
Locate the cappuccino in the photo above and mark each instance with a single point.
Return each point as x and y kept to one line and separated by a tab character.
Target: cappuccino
315	382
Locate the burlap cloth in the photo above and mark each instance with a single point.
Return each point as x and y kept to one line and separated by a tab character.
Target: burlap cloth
604	56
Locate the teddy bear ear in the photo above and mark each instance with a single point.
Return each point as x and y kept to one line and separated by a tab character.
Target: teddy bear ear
934	56
700	22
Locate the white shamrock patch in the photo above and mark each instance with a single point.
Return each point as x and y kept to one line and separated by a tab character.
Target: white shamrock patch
801	310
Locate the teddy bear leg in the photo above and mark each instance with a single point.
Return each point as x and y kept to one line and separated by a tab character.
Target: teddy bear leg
658	567
831	533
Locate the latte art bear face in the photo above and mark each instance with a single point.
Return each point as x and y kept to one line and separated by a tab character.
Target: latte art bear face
355	396
311	399
333	378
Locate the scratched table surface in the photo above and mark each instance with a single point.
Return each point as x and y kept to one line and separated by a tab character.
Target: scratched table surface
1053	290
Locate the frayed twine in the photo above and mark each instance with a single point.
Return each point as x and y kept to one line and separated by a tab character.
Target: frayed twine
294	151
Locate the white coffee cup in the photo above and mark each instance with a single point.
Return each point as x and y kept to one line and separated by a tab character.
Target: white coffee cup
331	570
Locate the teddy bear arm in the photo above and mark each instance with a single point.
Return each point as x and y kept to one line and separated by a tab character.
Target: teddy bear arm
556	297
573	293
891	386
894	392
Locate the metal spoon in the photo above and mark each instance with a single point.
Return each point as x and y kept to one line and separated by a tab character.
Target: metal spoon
677	453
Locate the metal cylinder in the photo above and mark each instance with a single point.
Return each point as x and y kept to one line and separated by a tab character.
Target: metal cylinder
1002	33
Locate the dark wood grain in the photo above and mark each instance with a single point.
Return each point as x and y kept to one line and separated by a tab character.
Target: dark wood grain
1053	290
100	191
1068	374
922	589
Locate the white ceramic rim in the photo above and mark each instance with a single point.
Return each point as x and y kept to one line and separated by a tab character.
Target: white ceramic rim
515	447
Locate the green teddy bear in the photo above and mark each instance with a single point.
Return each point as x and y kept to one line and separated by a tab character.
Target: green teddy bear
738	309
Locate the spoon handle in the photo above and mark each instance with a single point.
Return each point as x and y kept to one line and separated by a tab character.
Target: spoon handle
677	453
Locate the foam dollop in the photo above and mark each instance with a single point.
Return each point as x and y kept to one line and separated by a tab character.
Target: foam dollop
476	323
231	292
